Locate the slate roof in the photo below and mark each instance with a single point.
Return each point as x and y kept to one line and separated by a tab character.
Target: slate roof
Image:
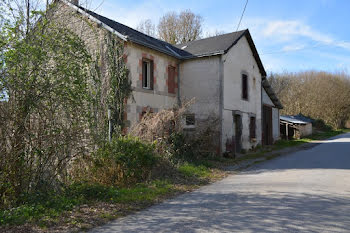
199	48
140	38
294	120
267	87
303	118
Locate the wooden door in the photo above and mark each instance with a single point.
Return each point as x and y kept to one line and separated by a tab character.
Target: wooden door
238	133
267	126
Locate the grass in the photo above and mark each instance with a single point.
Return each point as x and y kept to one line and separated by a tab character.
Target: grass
39	207
43	209
191	170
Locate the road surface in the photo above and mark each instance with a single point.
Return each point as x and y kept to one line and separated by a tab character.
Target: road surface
307	191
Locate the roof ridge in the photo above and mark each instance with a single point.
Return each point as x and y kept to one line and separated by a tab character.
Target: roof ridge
133	29
211	37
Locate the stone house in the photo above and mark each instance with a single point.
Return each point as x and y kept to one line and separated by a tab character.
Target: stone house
224	75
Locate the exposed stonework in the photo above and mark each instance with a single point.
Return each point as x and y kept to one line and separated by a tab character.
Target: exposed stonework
94	37
214	81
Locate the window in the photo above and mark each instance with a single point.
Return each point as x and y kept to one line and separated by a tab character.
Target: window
147	74
252	127
244	87
190	120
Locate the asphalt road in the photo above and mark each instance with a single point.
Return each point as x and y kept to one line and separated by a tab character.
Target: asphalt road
307	191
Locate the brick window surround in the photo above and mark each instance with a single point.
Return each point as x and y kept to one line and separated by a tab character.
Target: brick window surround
153	67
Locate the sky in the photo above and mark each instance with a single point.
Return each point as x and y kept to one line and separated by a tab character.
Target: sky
290	35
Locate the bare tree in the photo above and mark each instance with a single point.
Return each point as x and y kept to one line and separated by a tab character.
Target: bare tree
147	27
320	95
168	28
180	28
190	26
215	33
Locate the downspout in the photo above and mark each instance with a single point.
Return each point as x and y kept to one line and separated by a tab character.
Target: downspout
178	86
262	109
221	101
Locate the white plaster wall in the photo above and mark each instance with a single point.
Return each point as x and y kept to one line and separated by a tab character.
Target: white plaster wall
276	124
199	79
237	61
305	130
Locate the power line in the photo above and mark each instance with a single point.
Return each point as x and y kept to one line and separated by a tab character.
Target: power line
239	24
99	5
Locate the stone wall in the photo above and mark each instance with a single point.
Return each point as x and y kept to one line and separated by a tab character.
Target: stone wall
164	93
161	97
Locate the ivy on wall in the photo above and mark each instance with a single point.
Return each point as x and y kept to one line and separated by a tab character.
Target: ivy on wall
119	83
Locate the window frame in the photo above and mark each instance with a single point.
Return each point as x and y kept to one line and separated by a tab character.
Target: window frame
193	120
252	130
147	75
245	86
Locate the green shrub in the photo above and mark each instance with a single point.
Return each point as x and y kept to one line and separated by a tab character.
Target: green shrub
181	148
190	170
124	160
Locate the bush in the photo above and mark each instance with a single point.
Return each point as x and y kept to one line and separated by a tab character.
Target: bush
125	160
190	170
181	148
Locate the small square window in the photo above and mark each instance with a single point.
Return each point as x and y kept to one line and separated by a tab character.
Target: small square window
147	74
190	120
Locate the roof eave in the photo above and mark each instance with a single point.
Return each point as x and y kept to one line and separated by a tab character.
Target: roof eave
246	33
177	56
272	95
204	55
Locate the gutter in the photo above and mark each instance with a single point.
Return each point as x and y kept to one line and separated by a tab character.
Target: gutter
177	56
178	86
221	101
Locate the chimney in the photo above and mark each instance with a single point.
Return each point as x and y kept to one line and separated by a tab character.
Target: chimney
75	2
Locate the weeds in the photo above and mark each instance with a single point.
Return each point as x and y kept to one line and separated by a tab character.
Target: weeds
190	170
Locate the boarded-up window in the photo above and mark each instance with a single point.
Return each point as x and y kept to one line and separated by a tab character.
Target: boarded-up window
244	87
147	74
171	80
252	127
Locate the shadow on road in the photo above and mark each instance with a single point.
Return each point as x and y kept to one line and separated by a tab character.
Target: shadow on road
242	212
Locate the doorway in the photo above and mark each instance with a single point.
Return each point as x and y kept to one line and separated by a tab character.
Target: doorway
238	133
267	126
